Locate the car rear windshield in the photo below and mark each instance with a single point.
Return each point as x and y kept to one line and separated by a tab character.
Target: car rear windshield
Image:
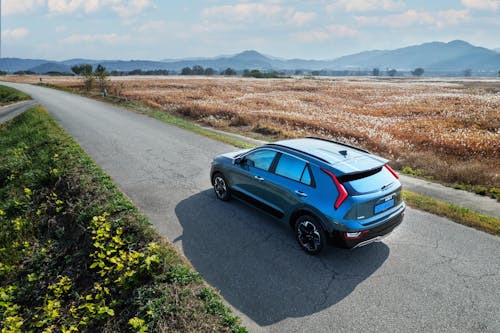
367	181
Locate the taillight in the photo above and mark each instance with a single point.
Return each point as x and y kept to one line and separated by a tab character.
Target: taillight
394	173
340	188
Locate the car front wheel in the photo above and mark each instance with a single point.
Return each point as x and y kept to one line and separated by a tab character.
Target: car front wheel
310	234
221	188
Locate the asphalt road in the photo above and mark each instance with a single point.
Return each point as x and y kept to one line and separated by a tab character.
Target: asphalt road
11	111
430	275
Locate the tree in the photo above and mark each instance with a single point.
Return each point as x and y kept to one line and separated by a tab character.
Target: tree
187	71
76	69
417	71
209	71
392	72
499	73
376	72
198	70
101	74
87	72
229	71
468	72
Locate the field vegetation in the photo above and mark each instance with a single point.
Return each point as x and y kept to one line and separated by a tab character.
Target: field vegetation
76	255
9	95
446	130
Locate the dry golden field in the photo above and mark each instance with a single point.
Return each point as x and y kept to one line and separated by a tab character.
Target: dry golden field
449	129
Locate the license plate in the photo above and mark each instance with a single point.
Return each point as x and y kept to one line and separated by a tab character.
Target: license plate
384	206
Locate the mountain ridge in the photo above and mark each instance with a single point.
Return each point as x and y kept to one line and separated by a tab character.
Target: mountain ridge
456	55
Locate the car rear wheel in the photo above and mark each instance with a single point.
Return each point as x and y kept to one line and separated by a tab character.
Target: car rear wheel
310	234
221	188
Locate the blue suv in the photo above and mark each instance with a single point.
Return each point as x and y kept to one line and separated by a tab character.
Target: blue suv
323	189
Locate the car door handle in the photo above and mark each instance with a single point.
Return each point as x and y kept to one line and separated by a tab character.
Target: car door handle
260	179
301	194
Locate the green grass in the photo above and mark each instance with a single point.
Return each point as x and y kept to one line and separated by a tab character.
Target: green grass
75	254
453	212
10	95
57	87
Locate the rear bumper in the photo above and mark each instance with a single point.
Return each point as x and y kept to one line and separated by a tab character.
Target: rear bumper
377	233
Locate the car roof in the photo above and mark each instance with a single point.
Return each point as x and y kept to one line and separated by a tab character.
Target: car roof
343	157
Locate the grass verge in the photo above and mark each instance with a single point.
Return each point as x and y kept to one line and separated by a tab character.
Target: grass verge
10	95
492	192
455	213
76	255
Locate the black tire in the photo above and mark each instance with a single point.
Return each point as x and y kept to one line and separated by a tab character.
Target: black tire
310	234
221	187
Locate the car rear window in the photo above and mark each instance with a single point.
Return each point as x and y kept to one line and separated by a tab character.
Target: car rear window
370	181
293	168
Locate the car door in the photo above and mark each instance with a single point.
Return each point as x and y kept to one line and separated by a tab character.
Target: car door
291	184
251	176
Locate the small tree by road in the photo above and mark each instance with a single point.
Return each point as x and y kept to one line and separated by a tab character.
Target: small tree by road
392	72
376	72
87	72
101	74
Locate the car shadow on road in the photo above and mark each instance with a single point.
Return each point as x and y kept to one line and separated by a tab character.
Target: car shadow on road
258	266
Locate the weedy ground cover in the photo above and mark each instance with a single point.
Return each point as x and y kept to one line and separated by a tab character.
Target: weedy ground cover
76	255
446	130
9	95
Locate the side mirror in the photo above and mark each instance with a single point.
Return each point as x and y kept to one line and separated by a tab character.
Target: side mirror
238	160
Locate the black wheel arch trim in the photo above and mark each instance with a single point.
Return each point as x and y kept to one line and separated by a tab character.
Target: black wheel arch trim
307	211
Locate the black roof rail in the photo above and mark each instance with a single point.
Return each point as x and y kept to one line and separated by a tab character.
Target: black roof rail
339	143
300	151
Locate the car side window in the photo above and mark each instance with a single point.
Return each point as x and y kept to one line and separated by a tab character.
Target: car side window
306	177
293	168
261	159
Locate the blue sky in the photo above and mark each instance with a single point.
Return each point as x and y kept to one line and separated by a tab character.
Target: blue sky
310	29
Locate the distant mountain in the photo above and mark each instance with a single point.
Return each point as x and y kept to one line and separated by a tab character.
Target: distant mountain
48	67
497	50
455	56
16	64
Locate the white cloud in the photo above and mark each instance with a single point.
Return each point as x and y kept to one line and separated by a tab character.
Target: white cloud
89	38
366	5
301	18
20	6
413	17
124	8
330	32
482	4
132	7
17	33
250	12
